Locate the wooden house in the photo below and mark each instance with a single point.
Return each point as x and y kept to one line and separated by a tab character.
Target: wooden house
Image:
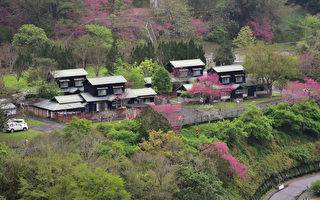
103	93
140	96
234	76
186	71
70	81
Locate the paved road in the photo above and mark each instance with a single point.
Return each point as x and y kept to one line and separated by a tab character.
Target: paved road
295	188
49	128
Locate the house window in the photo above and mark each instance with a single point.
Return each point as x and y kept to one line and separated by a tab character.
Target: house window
197	73
64	84
102	92
239	79
78	83
117	90
225	80
240	91
183	73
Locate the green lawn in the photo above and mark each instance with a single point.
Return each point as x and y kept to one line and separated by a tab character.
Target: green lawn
16	139
91	71
229	105
10	81
32	122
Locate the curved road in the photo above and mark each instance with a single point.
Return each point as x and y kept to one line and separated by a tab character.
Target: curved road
295	188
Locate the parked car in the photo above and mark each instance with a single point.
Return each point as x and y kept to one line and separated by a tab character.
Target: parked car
16	125
14	120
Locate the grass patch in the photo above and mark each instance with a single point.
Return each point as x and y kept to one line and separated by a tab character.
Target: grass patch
15	140
10	81
32	122
229	105
91	71
174	99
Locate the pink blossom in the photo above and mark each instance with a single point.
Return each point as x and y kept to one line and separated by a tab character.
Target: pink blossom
295	91
222	150
261	28
210	87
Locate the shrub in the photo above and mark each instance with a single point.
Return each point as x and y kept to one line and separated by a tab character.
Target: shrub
316	187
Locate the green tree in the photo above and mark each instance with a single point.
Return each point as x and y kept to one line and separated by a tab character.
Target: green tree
310	113
283	117
310	25
161	81
77	127
268	66
27	34
47	14
112	56
196	184
22	63
177	13
150	119
135	77
46	90
85	184
256	125
148	67
245	38
224	55
83	46
103	40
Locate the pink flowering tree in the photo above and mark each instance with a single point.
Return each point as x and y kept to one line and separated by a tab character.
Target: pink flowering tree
201	28
261	28
220	149
296	91
170	112
210	88
308	65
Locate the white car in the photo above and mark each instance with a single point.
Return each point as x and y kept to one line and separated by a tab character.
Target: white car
16	125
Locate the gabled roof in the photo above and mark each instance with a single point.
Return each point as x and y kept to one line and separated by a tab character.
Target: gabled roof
89	98
187	63
54	106
228	68
134	93
69	73
187	86
74	98
107	80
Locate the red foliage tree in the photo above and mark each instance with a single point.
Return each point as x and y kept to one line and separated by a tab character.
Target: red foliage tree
261	28
209	87
295	91
222	150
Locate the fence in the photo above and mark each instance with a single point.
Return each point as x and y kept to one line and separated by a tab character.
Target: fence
275	179
199	117
117	114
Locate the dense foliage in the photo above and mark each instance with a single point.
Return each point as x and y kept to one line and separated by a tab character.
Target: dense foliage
143	159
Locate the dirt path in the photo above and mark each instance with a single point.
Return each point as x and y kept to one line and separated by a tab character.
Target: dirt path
49	128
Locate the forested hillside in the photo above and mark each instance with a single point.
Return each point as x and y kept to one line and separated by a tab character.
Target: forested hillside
147	157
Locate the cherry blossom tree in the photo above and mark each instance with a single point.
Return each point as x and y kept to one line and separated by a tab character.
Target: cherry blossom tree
170	112
296	91
261	28
201	28
308	65
209	88
222	150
